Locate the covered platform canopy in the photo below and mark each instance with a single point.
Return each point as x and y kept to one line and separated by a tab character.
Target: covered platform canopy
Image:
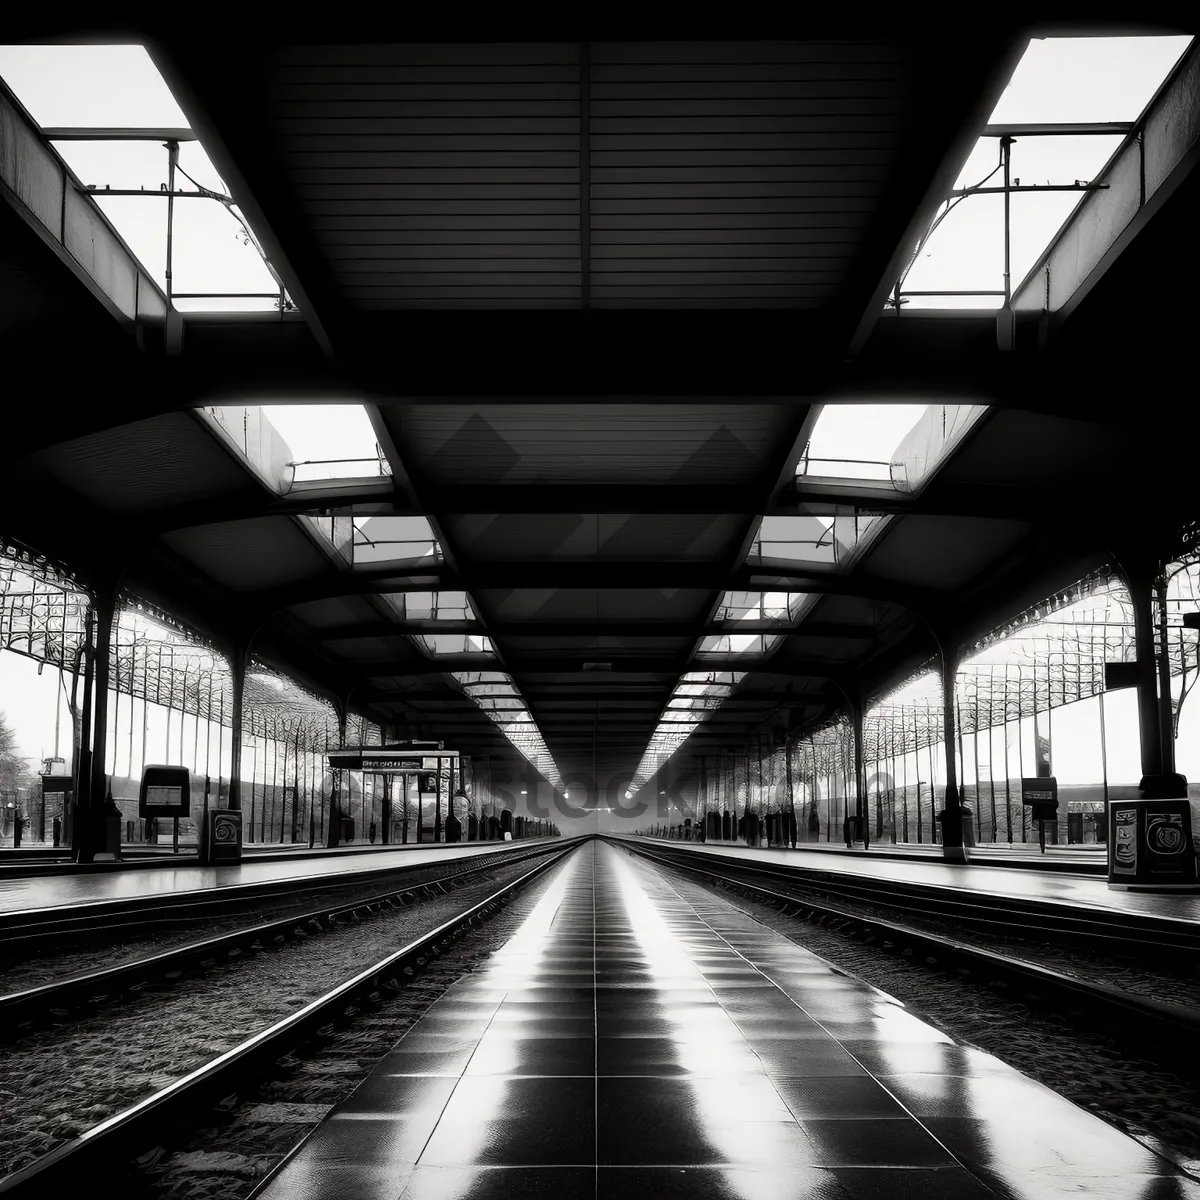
595	296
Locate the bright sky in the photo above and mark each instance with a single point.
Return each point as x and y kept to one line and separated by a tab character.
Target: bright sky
1058	80
326	431
119	87
860	431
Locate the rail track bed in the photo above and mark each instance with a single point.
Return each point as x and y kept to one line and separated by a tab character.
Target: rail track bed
1117	1032
160	1059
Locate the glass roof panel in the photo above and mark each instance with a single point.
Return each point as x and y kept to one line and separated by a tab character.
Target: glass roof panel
328	441
453	643
431	605
750	607
695	695
119	87
856	441
395	539
520	729
1091	80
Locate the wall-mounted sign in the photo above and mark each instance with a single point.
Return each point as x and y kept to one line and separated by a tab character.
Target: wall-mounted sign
1151	844
165	792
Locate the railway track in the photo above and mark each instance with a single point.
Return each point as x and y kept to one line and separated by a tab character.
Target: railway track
123	1135
1170	1029
20	1009
985	913
23	933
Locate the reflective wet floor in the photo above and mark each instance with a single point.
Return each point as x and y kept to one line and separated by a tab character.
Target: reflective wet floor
627	1043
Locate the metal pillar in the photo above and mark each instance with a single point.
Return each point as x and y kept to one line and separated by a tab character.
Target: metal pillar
1166	716
1139	575
237	671
953	849
105	616
333	836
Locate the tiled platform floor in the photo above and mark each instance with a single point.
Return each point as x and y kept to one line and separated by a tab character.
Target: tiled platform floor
46	892
626	1044
1076	891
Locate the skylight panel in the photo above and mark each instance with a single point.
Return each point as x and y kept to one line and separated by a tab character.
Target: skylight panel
749	644
328	441
396	539
217	263
793	539
1078	81
695	695
432	605
520	729
750	607
857	441
453	643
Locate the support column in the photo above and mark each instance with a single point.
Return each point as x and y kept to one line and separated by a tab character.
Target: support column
105	615
89	779
333	837
857	714
951	816
237	671
1166	717
437	804
1139	575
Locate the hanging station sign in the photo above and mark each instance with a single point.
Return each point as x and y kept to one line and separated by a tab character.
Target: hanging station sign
372	758
165	792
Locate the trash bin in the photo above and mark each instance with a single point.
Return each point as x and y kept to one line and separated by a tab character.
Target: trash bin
221	836
1152	840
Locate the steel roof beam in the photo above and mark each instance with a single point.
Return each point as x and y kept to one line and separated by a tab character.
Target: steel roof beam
612	629
1149	167
47	196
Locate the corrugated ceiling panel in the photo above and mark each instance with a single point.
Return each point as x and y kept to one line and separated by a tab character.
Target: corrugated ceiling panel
266	552
584	605
438	175
167	460
719	173
689	537
591	443
737	173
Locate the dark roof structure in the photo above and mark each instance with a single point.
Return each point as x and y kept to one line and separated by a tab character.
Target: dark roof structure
594	295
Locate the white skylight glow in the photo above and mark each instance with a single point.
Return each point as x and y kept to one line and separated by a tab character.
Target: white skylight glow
328	441
750	607
453	643
395	539
857	441
513	719
119	87
695	695
1059	80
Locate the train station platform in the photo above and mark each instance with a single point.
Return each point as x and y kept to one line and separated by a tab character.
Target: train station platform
157	880
1083	860
631	1042
1017	884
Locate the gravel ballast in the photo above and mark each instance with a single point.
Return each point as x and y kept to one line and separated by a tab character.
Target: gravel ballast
62	1079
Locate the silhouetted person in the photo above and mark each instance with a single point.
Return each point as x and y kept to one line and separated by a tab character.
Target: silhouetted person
371	832
472	828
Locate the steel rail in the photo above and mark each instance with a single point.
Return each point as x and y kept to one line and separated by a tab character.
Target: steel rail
75	1163
179	907
1165	1017
74	990
982	910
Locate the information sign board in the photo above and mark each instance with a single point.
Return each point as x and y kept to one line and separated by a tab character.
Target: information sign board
165	792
